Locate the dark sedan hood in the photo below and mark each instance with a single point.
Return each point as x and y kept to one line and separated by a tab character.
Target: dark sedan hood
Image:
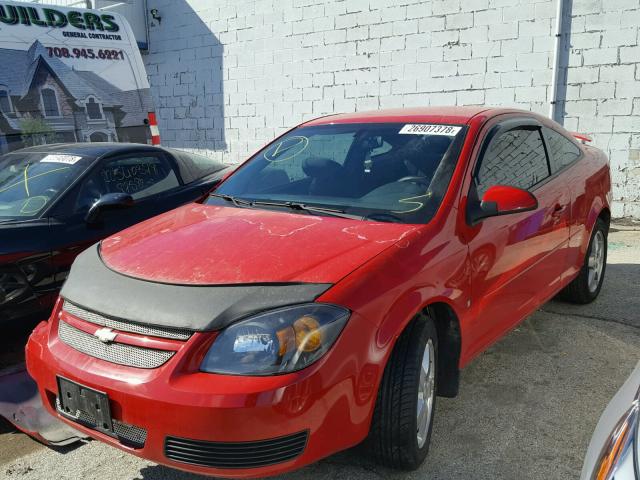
23	237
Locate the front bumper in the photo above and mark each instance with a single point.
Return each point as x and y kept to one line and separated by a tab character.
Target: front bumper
329	403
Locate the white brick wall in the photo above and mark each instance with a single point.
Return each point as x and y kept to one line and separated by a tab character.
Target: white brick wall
229	75
604	76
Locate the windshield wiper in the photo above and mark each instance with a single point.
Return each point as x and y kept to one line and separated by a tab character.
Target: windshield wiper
309	208
238	202
241	202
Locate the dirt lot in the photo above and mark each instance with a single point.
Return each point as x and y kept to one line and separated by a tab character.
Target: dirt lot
526	408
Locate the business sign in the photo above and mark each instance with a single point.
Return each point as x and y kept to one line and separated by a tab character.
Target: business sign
135	11
11	14
69	75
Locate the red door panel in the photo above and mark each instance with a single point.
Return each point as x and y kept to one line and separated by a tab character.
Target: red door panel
516	259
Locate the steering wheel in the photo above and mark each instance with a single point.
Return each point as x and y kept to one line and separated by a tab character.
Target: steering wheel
415	179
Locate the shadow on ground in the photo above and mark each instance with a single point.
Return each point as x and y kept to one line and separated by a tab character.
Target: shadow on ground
619	299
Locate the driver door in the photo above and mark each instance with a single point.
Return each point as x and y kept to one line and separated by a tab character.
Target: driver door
516	259
149	177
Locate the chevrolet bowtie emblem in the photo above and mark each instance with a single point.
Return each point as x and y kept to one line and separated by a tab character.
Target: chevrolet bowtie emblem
105	335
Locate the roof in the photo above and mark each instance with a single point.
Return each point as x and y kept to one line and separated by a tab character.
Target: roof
446	115
136	105
21	67
16	64
89	149
75	82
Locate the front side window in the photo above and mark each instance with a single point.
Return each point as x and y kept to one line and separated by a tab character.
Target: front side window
29	182
515	158
385	172
94	111
50	102
140	176
562	151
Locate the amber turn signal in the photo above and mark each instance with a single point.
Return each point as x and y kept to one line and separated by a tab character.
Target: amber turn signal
308	334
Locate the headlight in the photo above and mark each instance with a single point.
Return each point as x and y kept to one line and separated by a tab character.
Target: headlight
278	341
617	457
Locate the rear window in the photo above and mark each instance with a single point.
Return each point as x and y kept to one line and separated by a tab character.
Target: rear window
562	151
194	167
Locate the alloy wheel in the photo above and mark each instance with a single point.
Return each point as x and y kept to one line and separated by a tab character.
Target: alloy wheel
426	393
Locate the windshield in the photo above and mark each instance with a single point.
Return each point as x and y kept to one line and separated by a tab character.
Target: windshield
29	182
386	172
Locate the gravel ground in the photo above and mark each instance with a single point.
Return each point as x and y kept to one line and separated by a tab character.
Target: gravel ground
526	409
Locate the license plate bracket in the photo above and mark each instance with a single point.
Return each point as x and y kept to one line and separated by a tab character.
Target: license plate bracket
76	400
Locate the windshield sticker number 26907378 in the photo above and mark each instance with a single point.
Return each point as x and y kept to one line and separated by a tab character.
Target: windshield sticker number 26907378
427	129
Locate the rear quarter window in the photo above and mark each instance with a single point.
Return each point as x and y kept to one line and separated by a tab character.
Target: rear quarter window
194	167
562	151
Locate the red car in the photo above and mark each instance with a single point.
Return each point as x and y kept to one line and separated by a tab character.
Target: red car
326	291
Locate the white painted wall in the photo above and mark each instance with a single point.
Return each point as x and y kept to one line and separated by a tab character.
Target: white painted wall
229	75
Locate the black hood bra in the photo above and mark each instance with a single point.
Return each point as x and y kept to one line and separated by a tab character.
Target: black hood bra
95	287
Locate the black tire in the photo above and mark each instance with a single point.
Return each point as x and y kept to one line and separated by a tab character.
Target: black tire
393	440
578	290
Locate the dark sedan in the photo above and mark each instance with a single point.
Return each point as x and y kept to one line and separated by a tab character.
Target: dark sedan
56	200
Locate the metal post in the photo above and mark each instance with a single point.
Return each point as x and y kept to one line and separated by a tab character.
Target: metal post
556	111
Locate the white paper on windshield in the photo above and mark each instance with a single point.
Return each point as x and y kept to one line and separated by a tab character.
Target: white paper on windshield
427	129
58	158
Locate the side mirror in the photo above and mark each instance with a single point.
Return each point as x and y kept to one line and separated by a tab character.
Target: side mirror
109	201
504	200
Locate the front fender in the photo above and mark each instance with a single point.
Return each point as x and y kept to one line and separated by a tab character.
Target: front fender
392	289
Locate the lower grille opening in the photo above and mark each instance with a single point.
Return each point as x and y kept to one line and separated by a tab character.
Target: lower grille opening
231	455
129	435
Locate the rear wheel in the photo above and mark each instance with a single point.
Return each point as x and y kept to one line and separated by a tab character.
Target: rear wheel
403	417
587	285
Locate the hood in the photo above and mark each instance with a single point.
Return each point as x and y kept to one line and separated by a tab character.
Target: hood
23	238
215	245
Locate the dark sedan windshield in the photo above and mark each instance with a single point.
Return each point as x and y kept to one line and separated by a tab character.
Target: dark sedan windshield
387	172
29	182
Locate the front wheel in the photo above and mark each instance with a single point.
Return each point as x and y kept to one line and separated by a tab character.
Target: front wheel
587	285
403	417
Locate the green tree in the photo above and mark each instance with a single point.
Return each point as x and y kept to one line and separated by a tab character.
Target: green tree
35	131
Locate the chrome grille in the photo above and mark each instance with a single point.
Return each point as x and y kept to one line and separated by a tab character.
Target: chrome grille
119	353
126	326
130	434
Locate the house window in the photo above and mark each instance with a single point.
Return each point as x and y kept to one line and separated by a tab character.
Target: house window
94	110
50	102
5	101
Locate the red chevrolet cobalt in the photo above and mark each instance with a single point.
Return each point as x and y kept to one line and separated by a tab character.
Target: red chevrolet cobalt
326	292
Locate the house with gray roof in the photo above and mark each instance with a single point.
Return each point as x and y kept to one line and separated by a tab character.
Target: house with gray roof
44	100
